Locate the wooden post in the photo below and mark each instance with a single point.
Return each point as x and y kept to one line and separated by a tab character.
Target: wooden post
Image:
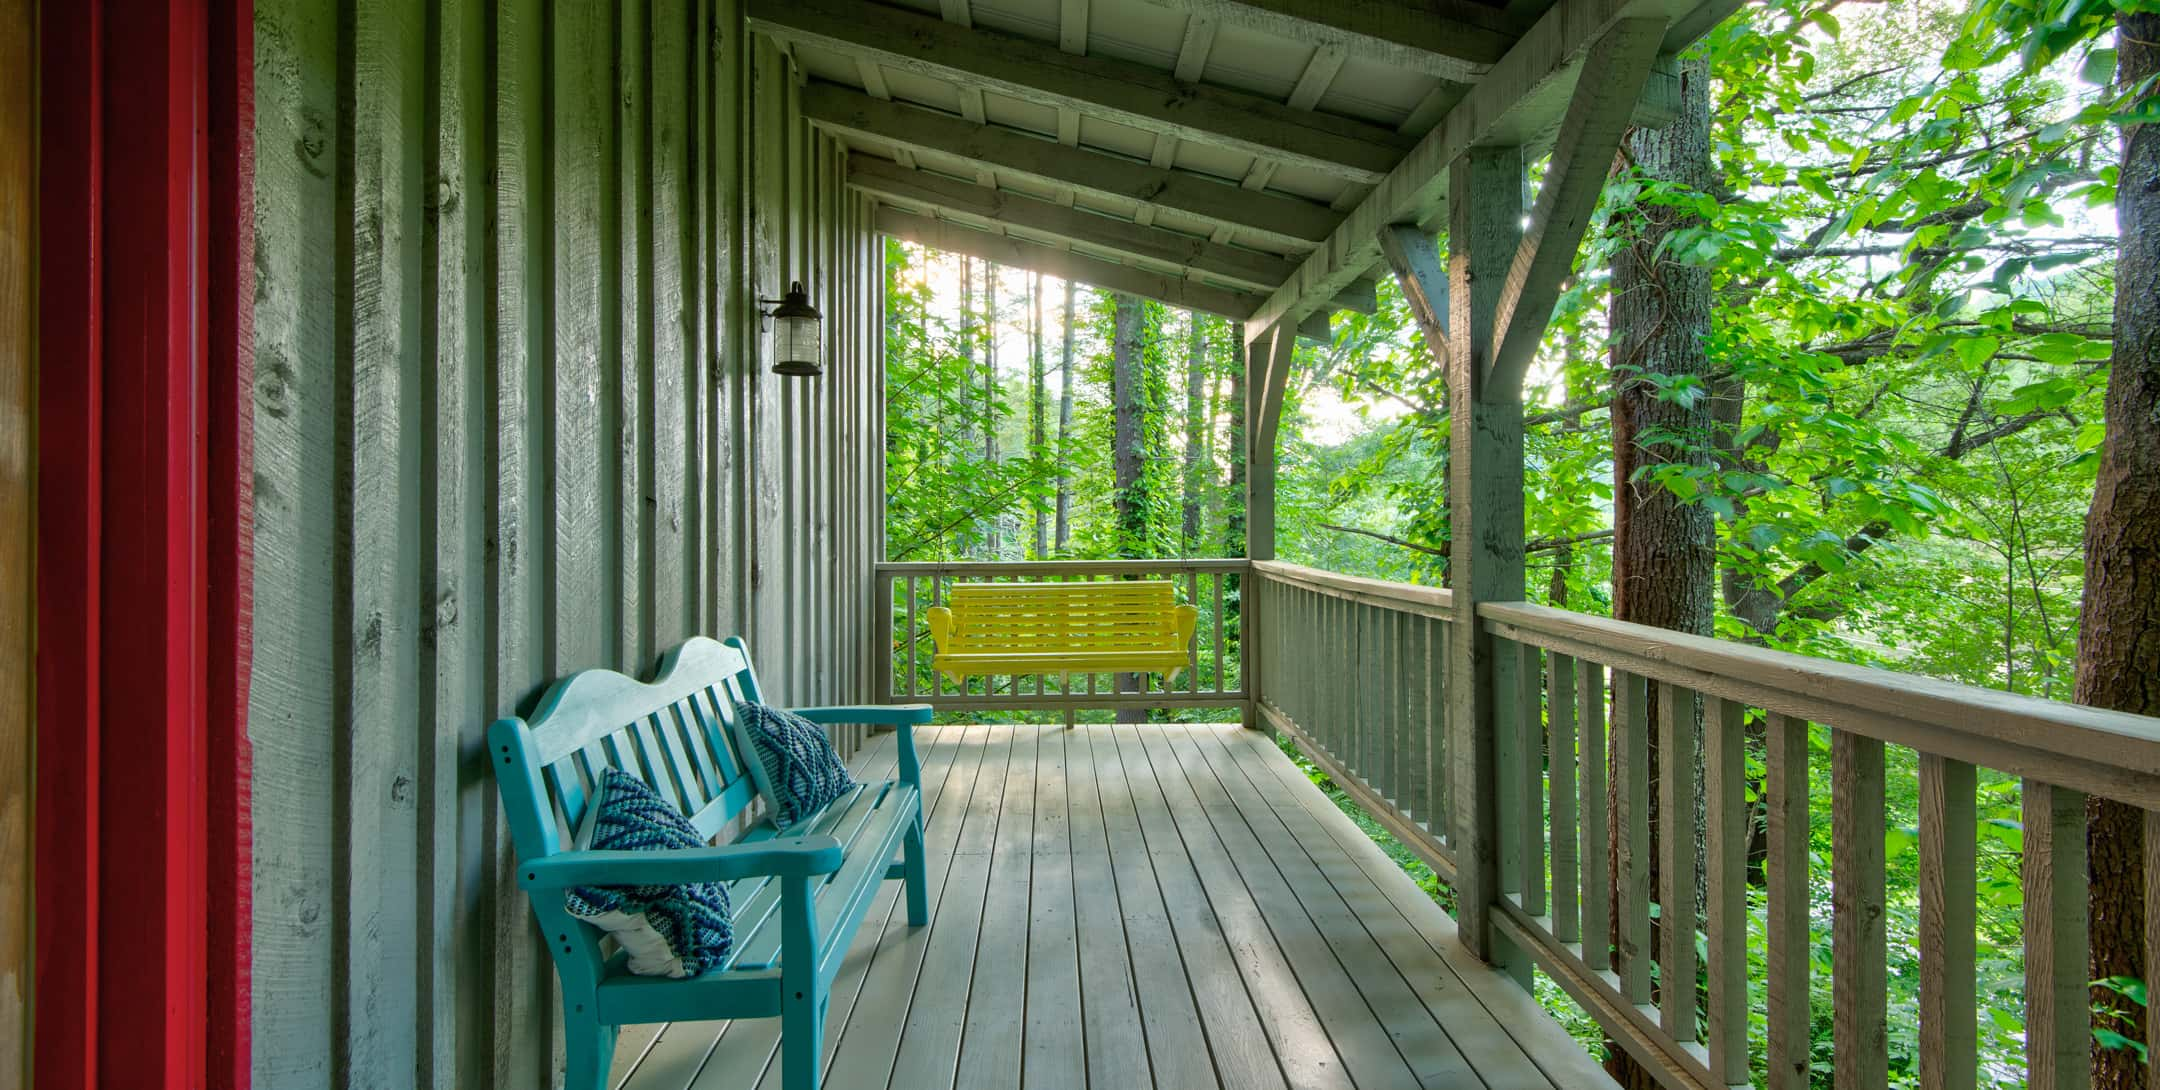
1485	217
1267	358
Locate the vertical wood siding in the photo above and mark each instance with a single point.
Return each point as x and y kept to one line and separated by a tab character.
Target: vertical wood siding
515	417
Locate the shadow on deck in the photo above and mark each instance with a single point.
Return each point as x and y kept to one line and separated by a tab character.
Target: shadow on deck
1133	906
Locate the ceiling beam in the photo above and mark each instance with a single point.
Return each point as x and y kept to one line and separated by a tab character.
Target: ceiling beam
1280	220
1050	261
1131	94
1242	268
1250	268
1455	40
1518	102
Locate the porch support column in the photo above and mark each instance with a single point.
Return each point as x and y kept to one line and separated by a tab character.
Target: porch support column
1486	510
1267	375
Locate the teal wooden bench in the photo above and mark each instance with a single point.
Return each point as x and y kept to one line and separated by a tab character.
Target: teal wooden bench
798	894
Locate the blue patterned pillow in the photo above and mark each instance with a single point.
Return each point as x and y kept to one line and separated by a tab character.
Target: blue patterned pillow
801	769
676	931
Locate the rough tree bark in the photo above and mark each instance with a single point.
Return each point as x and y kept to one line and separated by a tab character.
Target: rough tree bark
1195	410
2118	662
1128	453
1064	435
1664	550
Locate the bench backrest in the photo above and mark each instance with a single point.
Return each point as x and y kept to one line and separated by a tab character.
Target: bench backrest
679	732
1063	617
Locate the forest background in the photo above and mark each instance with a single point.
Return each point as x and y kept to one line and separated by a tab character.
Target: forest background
1843	334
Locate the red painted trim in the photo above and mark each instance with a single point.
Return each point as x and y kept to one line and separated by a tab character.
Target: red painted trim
232	530
144	538
70	535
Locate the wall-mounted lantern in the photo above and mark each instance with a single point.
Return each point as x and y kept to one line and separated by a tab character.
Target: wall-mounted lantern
795	333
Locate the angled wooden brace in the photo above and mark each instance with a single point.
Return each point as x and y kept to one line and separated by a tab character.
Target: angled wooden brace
1415	256
1611	80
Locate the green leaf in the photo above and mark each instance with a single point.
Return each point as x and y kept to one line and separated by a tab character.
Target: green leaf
2099	69
1974	351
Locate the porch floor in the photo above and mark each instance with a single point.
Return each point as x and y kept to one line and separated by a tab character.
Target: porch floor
1129	906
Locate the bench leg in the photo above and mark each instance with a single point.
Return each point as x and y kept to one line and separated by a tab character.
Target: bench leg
917	876
802	1040
591	1049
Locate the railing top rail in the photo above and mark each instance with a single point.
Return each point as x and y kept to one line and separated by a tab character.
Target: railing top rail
1408	597
1062	567
2102	752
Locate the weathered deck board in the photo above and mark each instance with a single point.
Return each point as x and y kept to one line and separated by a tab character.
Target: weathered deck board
1135	906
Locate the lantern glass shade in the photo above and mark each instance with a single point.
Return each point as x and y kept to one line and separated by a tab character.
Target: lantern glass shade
795	335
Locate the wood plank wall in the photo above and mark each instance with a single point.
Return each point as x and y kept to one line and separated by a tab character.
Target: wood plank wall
515	417
18	505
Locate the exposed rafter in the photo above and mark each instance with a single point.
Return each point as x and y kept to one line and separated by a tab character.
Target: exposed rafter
1517	103
1131	94
1241	267
1280	220
1452	39
1252	268
1051	261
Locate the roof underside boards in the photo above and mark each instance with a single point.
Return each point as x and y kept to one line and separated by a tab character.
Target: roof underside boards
1234	156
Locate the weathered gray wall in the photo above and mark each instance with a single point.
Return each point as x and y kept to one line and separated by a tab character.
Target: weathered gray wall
515	418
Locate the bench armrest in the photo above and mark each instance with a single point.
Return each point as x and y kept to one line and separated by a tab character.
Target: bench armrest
876	715
903	718
810	855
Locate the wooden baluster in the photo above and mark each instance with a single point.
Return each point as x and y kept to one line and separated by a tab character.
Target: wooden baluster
1676	848
1353	693
1510	732
914	666
1529	693
1949	1030
1727	825
1596	862
1858	977
1631	735
1560	712
1391	693
1218	646
1785	795
1192	651
2058	1019
1417	696
1434	715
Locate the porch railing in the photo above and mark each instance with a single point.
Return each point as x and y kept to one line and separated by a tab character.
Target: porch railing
1357	672
1339	660
1212	678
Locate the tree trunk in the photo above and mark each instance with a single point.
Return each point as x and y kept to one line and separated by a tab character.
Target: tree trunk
1128	451
1234	522
1664	549
994	548
2118	661
1038	411
967	358
1064	440
1195	409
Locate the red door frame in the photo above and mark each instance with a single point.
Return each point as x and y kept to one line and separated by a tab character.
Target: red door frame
144	537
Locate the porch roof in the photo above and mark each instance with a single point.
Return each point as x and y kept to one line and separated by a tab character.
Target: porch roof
1239	158
1143	905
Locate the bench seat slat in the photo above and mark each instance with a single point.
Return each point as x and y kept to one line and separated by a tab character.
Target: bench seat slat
879	818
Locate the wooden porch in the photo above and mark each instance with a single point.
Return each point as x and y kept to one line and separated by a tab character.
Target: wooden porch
1127	906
